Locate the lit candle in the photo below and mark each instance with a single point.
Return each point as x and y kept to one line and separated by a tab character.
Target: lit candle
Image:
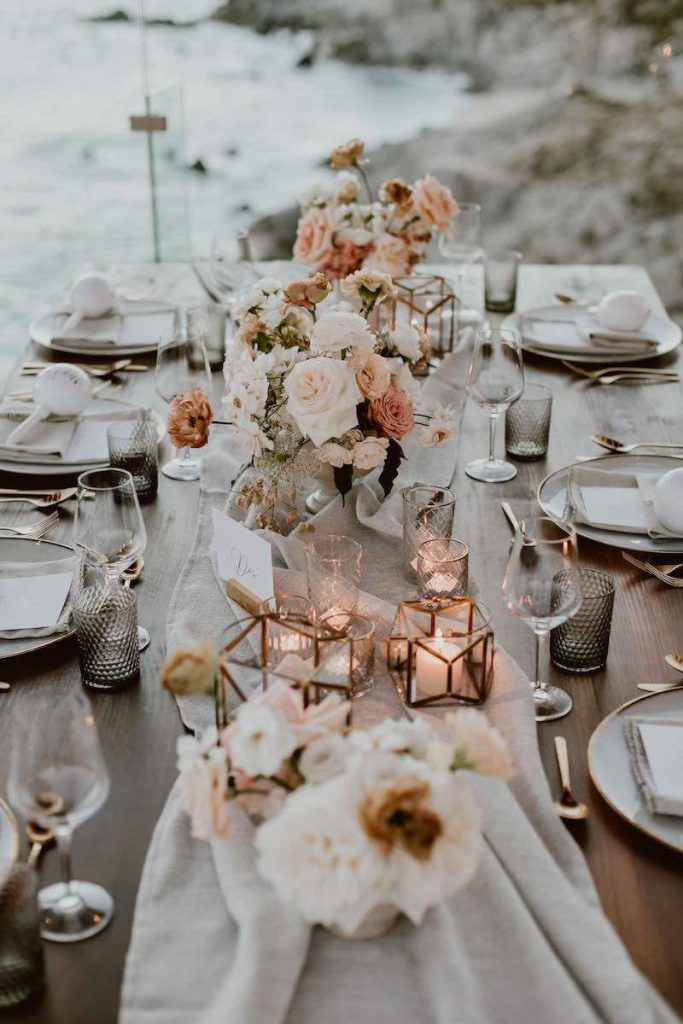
431	673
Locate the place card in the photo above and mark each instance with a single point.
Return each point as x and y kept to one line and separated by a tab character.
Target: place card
32	602
242	555
663	744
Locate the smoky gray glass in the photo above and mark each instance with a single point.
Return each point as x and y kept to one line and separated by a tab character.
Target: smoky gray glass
428	514
106	622
133	446
527	423
500	279
208	322
581	643
21	948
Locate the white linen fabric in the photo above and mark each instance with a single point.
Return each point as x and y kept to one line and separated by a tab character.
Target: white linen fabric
74	441
572	330
623	502
524	941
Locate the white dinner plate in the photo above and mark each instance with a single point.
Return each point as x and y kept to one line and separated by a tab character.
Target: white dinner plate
667	333
41	331
552	497
610	766
73	469
9	834
31	552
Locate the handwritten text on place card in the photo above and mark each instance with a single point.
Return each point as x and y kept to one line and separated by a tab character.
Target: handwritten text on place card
242	555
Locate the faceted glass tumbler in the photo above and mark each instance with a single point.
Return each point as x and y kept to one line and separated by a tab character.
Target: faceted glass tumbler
428	514
106	622
581	643
527	423
333	568
442	570
133	446
21	948
500	279
358	659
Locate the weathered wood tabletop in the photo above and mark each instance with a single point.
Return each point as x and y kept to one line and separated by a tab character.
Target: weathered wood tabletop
639	880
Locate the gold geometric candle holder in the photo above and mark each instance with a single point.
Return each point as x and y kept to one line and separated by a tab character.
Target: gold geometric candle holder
443	656
426	301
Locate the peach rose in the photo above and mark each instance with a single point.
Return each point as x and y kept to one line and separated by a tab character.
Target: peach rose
345	258
373	374
347	155
315	237
391	255
392	414
309	291
436	203
189	419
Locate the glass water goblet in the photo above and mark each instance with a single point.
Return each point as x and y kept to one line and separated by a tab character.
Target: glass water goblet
58	779
543	551
182	363
464	246
108	526
495	380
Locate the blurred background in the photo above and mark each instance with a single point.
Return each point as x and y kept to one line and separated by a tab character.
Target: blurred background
564	119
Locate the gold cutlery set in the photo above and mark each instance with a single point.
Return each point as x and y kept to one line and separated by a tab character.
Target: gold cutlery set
624	374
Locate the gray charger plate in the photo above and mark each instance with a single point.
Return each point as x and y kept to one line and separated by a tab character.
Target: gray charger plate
552	495
610	766
20	549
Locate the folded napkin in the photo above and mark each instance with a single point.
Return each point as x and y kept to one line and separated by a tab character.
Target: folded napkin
73	441
572	330
656	749
15	570
134	323
623	502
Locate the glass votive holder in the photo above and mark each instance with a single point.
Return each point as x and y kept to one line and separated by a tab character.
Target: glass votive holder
500	279
442	569
21	948
290	628
208	321
581	643
133	446
106	622
357	662
333	569
527	423
428	514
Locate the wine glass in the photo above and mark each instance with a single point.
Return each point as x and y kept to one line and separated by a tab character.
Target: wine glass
231	262
464	246
58	779
182	363
542	586
495	380
108	526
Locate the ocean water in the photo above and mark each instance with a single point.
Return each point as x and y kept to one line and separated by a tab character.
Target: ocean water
73	178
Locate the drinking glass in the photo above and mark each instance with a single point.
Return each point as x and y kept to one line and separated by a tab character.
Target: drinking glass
582	643
106	623
463	247
527	423
182	363
358	664
333	566
428	514
133	446
108	526
208	322
58	779
495	380
500	279
442	570
542	552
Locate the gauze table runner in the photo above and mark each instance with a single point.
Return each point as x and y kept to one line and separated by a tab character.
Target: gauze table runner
524	942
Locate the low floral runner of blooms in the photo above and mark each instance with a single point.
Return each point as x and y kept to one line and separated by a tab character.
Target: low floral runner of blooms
348	820
340	234
308	390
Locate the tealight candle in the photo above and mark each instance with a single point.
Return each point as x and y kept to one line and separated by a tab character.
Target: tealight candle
431	671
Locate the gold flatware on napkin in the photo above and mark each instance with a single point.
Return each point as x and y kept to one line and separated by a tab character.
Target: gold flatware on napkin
660	572
612	445
633	378
659	687
34	531
105	370
567	806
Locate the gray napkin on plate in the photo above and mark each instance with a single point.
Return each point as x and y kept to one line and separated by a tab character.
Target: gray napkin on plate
72	441
567	331
134	323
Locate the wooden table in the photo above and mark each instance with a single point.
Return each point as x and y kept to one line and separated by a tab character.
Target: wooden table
639	880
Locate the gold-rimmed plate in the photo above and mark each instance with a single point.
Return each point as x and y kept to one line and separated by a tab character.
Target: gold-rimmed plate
9	834
609	765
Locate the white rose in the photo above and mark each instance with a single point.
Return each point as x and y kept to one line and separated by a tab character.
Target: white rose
370	452
322	395
406	340
324	758
261	741
339	330
334	454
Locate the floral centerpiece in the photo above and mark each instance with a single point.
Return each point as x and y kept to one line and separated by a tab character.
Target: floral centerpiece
339	233
311	389
353	826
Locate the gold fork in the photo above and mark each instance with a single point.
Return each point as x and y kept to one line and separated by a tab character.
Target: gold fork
34	531
46	501
659	572
650	371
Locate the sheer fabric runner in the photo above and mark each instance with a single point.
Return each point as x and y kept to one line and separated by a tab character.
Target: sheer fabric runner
524	941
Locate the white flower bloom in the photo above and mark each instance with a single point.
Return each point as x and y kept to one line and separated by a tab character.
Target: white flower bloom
283	359
405	339
370	452
324	758
319	195
477	745
404	380
347	188
436	432
340	330
322	395
334	454
260	741
255	298
203	769
272	311
252	437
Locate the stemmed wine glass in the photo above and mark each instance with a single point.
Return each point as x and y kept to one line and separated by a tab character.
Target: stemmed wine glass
58	779
464	246
108	526
542	586
182	363
495	380
231	262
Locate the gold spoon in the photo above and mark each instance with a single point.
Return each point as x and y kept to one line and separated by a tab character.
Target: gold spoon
567	806
133	572
659	687
613	445
38	835
675	661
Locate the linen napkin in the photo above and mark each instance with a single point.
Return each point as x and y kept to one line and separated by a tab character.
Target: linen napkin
70	441
40	570
134	323
656	749
48	439
568	330
622	502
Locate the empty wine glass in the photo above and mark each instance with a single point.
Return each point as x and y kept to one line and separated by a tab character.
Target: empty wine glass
108	526
58	779
495	380
463	247
182	363
231	262
543	551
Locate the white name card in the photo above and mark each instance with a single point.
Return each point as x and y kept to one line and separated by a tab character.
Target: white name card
243	556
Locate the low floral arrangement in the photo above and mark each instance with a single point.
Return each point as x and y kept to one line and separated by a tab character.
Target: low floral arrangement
338	233
348	820
308	389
